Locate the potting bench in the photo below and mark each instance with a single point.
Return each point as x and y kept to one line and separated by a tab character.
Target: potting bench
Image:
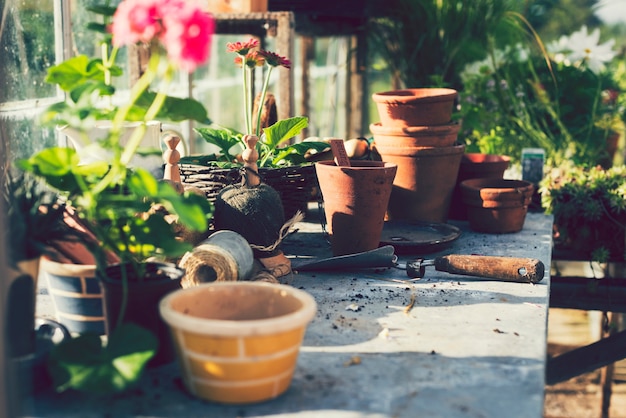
445	345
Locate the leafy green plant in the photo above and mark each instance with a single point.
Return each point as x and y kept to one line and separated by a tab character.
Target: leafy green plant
119	204
589	208
427	43
89	87
34	217
272	152
556	97
271	144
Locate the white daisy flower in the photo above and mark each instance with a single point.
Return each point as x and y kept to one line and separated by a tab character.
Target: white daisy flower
586	48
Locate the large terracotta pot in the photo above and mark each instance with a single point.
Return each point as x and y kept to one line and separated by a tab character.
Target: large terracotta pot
497	205
415	136
238	342
475	166
355	202
415	107
426	177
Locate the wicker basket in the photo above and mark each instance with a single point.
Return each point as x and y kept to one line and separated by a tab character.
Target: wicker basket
295	185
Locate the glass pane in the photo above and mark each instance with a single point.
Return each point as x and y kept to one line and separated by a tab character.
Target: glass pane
27	49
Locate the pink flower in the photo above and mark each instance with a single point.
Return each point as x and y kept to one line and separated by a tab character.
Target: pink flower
136	21
274	60
182	27
251	60
242	48
188	35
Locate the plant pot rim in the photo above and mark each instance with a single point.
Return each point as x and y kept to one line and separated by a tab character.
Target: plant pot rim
360	164
421	151
422	95
480	158
378	128
234	328
67	269
496	185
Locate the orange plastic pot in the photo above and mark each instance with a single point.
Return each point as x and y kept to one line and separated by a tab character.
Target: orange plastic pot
496	205
416	136
237	342
355	202
415	107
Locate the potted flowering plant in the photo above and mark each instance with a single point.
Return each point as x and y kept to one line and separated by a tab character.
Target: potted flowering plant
564	97
589	208
282	165
119	204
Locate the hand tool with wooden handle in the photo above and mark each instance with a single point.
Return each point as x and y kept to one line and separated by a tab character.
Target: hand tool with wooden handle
510	269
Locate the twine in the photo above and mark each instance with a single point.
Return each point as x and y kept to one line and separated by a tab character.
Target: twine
285	230
204	257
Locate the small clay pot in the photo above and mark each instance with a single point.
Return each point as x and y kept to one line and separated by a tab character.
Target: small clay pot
475	166
355	202
415	107
496	205
415	136
237	342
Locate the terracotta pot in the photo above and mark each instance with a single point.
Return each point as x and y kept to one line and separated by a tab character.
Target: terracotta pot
355	202
143	296
76	295
415	136
238	342
415	107
476	166
426	177
496	205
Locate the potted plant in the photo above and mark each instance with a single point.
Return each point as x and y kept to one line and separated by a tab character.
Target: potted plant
120	205
33	222
589	208
282	165
566	97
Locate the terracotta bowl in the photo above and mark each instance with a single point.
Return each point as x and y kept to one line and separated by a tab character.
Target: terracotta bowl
238	342
496	205
415	107
415	136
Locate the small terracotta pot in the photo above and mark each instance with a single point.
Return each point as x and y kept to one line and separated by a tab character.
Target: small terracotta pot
238	342
425	181
415	136
355	202
476	166
415	107
496	205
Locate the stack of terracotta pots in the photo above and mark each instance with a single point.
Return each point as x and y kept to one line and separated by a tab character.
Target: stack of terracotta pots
417	133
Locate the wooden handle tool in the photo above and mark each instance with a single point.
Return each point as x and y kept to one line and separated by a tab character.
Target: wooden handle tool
510	269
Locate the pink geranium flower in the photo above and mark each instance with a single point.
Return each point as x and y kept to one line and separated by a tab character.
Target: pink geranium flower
136	21
274	60
182	27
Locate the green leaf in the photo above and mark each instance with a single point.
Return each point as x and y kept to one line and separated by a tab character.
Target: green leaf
224	138
294	154
75	71
102	10
283	130
97	27
84	364
176	109
142	183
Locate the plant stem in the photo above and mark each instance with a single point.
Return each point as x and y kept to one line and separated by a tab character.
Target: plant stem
262	101
247	112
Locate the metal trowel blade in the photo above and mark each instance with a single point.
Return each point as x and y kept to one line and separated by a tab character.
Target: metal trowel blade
379	257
